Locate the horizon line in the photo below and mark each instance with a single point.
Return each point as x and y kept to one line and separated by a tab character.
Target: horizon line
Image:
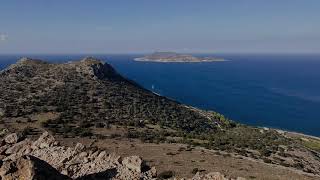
141	53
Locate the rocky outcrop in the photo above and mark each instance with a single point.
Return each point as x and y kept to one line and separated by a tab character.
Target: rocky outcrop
96	69
29	167
44	159
11	138
213	176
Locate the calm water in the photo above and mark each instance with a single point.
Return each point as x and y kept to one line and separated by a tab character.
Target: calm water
281	91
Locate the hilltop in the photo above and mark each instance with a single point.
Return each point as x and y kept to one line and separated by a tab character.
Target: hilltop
88	100
91	91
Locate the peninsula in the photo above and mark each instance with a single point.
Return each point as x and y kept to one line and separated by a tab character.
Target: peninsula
176	57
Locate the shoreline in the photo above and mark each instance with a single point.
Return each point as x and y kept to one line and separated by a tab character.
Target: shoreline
280	131
291	133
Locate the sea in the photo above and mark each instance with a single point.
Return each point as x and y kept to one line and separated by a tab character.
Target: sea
267	90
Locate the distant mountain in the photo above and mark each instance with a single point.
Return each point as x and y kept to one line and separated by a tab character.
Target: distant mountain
175	57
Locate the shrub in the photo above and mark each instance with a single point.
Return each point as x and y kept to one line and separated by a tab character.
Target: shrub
265	152
266	160
194	171
166	175
27	131
99	125
298	165
86	133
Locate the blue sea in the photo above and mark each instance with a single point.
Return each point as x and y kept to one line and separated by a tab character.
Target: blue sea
279	91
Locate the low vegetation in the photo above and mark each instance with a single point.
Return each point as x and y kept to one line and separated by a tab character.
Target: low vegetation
312	144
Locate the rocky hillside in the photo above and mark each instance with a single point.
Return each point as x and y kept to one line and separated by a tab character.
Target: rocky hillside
88	92
44	159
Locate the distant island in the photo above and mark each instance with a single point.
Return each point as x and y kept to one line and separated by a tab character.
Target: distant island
176	57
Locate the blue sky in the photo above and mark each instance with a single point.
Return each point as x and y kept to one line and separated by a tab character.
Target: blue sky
135	26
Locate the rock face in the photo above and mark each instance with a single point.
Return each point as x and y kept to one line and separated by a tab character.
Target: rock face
44	159
29	167
11	138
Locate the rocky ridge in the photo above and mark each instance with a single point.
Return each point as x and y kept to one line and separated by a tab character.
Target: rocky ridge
45	159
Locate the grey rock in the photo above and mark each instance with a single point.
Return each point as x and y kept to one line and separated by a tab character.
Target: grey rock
29	167
12	138
45	159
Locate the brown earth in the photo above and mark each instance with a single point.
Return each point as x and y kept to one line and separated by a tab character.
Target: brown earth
182	159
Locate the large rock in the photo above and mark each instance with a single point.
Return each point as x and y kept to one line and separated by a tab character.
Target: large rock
30	168
20	147
12	138
3	132
133	163
3	148
44	141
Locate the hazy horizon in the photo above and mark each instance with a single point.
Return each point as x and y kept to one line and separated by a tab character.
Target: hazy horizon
142	26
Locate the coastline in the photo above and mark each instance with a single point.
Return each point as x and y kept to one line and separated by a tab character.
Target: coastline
280	131
290	133
298	134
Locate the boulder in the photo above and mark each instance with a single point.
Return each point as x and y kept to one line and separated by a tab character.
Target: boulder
44	141
3	148
20	147
3	132
133	163
79	147
12	138
29	167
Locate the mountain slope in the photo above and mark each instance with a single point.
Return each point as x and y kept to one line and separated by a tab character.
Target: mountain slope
91	91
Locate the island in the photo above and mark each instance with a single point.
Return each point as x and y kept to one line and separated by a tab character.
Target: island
176	57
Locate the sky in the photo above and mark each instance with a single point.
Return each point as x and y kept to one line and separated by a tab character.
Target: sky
143	26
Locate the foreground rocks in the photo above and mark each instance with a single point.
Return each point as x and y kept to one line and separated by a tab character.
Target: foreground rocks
45	159
30	167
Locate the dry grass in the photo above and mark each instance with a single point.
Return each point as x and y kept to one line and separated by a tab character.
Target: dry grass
183	160
311	143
